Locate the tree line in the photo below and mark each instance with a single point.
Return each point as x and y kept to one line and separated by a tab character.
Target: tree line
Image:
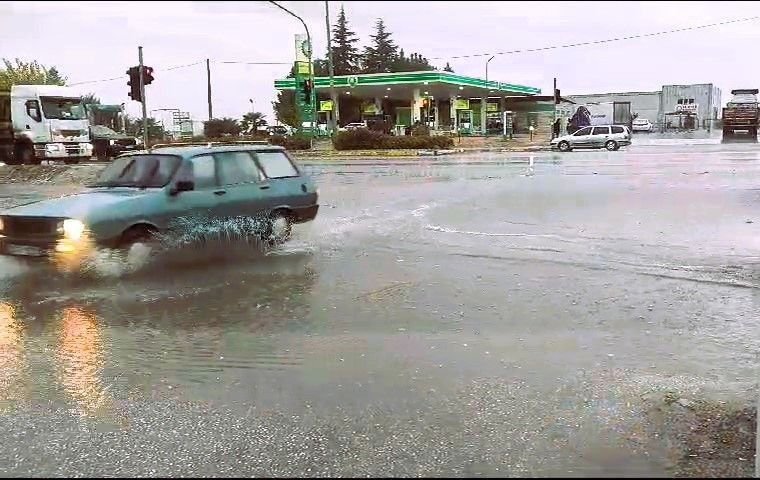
381	55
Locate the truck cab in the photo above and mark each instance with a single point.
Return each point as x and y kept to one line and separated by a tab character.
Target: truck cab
47	122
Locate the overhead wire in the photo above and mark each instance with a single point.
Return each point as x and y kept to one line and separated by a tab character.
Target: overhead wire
596	42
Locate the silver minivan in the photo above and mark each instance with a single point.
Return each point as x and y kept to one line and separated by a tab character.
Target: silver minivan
611	137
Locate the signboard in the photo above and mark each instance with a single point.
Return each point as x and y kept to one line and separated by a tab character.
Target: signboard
689	107
302	48
492	107
325	106
353	80
462	104
302	68
369	108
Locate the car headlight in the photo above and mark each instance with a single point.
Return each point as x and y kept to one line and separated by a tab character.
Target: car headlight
72	228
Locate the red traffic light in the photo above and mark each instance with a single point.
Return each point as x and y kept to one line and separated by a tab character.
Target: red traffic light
147	75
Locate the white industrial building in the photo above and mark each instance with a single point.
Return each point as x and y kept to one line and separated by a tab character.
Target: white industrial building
691	107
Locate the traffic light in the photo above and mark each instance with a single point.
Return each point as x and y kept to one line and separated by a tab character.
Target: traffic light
307	87
134	84
147	75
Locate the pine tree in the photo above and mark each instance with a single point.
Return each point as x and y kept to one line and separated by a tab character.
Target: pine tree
448	68
345	54
381	55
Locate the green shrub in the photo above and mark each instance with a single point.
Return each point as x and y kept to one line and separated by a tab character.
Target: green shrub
363	139
294	142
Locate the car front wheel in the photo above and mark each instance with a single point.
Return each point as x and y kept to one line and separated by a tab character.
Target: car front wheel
611	145
564	146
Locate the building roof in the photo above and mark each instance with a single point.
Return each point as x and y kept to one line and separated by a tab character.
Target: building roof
435	82
538	98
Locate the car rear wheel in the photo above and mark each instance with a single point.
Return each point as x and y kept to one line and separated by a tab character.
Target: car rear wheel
564	146
279	228
611	145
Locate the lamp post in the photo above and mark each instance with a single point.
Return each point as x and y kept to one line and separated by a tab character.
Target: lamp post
334	113
484	102
311	71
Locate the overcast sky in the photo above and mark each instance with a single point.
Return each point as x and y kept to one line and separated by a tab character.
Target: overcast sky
98	40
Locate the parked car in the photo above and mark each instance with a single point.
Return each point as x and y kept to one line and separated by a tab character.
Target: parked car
611	137
141	193
278	130
352	126
642	125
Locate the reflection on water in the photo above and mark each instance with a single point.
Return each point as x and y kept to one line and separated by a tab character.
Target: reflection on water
11	356
79	359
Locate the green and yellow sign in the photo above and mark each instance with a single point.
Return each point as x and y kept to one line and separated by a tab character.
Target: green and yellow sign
325	106
462	104
492	107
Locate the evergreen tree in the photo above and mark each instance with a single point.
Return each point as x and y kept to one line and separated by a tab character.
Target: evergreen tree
448	68
345	54
380	56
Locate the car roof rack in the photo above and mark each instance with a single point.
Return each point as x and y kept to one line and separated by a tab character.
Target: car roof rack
210	144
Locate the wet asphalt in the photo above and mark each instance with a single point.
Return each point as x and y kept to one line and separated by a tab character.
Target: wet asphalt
474	315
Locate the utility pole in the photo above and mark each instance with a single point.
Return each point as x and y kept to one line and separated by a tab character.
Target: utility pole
335	113
142	94
208	80
484	104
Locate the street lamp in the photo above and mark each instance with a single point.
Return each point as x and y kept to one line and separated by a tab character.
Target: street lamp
484	102
311	70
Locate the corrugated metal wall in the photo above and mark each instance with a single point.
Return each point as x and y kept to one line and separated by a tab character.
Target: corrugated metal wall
645	104
705	95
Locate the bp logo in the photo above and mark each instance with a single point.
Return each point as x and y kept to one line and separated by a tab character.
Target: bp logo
353	80
306	48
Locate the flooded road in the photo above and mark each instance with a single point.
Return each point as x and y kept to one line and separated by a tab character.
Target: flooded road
463	315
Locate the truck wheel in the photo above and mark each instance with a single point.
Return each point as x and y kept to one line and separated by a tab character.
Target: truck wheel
7	157
25	155
564	146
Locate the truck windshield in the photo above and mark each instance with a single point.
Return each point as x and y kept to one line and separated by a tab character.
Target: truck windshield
61	108
146	171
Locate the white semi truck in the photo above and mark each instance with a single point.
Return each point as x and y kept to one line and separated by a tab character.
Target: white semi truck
43	122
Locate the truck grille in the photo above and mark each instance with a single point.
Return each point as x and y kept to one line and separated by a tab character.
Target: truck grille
72	148
29	226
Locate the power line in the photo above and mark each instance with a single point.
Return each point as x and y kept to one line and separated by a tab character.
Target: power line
122	76
631	37
175	68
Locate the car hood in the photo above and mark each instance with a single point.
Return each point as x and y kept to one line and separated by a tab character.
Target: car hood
563	137
79	205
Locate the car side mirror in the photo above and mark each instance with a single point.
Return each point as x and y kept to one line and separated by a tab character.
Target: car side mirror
182	186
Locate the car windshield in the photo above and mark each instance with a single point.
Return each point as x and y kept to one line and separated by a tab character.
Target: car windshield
61	108
145	171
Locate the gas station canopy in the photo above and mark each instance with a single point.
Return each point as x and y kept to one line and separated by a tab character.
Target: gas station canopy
400	86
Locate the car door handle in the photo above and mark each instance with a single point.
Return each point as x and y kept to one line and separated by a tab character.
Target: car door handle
264	187
220	192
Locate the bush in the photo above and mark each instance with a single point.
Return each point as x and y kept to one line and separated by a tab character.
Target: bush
364	139
421	131
294	142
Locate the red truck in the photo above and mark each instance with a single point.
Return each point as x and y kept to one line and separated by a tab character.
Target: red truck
741	116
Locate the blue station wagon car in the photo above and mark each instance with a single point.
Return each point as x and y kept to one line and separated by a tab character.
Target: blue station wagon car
144	192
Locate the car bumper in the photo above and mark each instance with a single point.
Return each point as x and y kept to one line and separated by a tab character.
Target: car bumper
42	247
305	214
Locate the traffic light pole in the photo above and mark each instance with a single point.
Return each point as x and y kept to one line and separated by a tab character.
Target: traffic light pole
144	107
312	94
